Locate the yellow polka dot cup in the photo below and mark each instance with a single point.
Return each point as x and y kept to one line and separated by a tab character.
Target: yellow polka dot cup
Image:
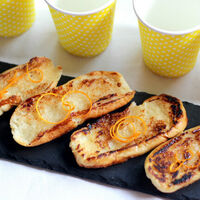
84	34
167	53
16	16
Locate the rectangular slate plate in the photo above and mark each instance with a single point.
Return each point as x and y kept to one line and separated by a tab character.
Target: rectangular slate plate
57	156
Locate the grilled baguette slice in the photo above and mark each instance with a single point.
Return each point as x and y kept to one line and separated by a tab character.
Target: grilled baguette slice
158	162
93	147
24	88
107	91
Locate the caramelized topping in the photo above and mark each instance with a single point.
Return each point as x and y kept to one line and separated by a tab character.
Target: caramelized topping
67	106
114	130
16	78
180	163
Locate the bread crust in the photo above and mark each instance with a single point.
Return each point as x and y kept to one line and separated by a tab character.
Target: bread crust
24	88
93	147
158	162
107	90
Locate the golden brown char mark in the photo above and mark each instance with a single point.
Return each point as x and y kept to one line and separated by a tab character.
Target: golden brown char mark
182	152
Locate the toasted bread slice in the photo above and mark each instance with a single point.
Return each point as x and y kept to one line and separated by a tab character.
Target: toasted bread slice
24	88
185	146
107	91
93	146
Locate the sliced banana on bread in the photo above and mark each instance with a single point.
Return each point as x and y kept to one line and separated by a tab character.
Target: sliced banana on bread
176	163
156	120
23	81
45	117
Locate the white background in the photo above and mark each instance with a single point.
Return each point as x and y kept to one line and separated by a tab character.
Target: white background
123	55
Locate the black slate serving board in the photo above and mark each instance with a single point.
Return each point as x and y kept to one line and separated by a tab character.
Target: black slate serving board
57	156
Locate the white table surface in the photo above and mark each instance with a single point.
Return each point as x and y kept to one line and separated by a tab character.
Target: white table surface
123	55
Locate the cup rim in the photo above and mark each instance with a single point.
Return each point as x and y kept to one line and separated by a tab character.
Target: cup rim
80	13
162	31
